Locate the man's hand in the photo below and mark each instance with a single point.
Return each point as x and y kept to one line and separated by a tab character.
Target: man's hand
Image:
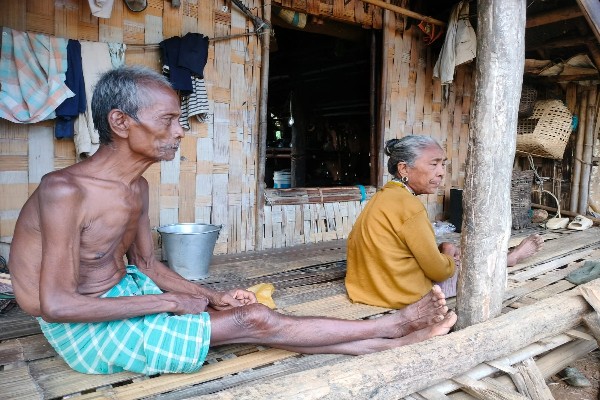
189	303
232	298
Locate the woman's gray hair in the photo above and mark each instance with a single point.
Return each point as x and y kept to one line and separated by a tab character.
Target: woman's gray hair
407	150
122	88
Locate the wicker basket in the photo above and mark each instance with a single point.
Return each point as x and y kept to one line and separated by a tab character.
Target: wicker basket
520	198
546	132
527	102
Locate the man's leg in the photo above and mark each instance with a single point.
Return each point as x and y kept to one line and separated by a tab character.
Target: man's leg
258	324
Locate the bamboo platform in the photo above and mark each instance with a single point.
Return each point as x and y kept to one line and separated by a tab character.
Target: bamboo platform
309	281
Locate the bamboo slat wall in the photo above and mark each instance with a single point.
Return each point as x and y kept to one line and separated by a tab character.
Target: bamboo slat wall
213	180
414	105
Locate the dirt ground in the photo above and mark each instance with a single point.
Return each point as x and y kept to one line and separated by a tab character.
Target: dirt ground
588	366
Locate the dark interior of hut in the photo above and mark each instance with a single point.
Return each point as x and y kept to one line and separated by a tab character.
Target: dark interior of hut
319	105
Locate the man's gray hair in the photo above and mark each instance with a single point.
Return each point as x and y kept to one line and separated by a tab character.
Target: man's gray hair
407	149
122	88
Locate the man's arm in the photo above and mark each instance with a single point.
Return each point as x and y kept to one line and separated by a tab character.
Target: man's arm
141	254
61	222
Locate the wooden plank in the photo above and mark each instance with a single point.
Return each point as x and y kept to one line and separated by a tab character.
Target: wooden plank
534	381
487	389
549	266
553	16
166	383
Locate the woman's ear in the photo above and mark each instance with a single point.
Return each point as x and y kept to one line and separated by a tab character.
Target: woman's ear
402	169
119	123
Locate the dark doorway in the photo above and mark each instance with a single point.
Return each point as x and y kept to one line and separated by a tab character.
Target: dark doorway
319	106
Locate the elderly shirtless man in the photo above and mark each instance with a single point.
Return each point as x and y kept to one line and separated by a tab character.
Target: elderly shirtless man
103	316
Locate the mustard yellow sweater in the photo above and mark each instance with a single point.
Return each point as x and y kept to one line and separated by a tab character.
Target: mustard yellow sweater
392	256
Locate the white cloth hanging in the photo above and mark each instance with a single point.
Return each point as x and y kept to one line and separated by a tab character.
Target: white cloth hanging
460	45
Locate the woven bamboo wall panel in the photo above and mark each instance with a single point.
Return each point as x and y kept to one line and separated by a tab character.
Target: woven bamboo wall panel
415	106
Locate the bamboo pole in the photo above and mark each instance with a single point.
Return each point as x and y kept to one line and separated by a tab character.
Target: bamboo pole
588	149
407	369
262	130
404	11
576	178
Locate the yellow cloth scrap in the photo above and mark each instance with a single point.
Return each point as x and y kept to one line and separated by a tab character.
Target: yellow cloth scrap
263	292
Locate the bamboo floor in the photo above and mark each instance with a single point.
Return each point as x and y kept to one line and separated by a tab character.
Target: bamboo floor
308	281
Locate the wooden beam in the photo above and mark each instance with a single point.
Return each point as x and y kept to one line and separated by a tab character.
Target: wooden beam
591	12
404	11
553	16
407	369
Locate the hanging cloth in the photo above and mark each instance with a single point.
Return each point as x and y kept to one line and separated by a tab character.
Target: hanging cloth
96	61
460	45
32	72
67	112
101	8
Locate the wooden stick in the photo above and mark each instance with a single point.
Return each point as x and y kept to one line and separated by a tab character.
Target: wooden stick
405	11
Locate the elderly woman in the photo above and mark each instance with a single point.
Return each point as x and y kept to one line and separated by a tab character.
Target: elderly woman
393	257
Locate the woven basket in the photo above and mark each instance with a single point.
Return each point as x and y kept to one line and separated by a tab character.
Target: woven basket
527	102
520	198
546	132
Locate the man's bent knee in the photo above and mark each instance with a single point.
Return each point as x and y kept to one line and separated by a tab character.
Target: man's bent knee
253	317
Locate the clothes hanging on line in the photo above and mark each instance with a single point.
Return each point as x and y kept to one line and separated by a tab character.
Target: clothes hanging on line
32	72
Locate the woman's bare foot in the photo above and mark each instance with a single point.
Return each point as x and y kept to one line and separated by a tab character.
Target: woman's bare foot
438	329
430	309
528	247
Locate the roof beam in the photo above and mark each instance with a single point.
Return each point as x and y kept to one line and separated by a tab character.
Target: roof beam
554	16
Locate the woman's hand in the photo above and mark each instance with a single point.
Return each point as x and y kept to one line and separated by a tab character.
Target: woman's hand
451	250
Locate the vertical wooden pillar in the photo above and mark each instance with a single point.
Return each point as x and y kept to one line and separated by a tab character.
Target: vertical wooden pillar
262	129
492	140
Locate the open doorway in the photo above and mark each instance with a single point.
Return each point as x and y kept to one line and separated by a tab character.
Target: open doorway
320	106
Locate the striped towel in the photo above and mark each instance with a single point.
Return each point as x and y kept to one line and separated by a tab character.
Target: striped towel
32	73
194	104
150	344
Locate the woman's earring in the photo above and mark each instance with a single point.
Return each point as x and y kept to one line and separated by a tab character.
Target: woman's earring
404	179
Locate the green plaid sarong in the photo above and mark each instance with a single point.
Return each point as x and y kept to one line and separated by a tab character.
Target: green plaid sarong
150	344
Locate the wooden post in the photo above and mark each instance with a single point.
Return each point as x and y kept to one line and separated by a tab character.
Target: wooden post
262	130
486	199
387	39
372	110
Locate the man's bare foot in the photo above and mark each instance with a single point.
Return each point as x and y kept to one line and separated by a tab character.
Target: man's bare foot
438	329
528	247
430	309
